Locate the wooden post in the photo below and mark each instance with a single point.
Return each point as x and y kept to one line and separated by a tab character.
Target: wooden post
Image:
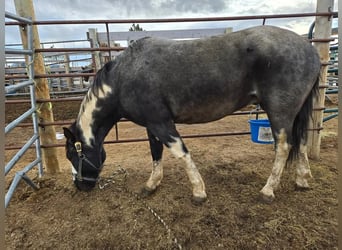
67	70
92	36
322	31
24	8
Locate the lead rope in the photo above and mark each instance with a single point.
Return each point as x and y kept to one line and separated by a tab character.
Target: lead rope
111	180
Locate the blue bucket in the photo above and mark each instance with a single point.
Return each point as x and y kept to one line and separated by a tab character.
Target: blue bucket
261	131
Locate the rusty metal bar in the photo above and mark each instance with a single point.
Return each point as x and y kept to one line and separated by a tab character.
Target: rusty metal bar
322	40
140	139
43	124
145	139
58	75
172	20
108	41
19	101
70	99
79	49
50	75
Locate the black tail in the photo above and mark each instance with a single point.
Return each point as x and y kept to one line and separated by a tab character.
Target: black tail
301	123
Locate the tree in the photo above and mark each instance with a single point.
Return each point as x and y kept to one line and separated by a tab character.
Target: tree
135	27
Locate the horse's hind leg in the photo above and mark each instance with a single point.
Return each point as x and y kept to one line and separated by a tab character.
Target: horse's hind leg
302	168
301	163
157	169
282	153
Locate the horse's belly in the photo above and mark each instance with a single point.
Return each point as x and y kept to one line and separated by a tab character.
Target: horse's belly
203	114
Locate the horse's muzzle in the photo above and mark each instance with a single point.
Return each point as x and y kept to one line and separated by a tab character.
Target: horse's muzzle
85	185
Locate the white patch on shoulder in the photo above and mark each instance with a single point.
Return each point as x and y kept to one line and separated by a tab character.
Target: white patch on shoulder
88	106
105	91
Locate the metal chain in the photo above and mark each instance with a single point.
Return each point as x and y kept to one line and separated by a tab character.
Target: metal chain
104	182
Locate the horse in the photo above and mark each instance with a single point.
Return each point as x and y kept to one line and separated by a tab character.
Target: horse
86	69
158	83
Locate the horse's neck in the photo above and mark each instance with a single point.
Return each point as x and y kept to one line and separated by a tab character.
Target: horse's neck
88	122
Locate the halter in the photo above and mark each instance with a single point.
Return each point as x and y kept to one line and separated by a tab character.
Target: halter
82	158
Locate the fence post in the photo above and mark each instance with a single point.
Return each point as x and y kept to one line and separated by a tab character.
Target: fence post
92	36
322	31
67	70
25	8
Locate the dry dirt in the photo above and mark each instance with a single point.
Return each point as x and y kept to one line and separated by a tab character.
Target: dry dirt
57	216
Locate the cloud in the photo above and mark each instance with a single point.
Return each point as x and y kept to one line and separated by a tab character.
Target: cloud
134	9
190	6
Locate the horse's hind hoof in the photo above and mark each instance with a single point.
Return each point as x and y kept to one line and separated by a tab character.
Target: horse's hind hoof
145	192
198	200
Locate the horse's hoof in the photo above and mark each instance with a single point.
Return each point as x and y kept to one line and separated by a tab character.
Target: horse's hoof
198	200
145	192
268	199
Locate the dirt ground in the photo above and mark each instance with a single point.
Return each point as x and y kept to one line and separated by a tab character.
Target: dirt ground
57	216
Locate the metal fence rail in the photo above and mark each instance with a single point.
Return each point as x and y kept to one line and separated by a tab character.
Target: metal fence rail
34	140
262	18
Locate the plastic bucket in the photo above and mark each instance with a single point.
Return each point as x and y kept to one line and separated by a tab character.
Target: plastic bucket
261	131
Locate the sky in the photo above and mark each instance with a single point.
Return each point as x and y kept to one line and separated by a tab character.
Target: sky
136	9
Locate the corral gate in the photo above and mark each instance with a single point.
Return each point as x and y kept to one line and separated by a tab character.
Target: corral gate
21	174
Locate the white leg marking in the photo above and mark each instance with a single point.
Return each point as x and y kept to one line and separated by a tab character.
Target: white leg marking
273	181
303	168
156	176
198	187
85	116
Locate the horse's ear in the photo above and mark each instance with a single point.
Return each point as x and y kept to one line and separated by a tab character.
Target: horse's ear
68	134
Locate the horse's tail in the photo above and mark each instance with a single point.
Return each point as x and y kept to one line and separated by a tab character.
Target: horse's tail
301	123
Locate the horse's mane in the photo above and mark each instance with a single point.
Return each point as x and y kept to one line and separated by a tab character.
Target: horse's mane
101	77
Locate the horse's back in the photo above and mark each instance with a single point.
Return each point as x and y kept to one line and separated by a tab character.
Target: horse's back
206	79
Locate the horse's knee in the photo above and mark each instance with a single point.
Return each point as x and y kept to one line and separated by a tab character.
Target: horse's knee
177	147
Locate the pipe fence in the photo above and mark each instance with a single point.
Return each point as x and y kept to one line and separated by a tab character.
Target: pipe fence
262	18
34	140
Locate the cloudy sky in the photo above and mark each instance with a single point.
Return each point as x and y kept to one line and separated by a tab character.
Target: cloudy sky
129	9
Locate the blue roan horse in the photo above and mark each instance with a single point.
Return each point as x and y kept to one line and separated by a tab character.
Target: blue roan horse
156	83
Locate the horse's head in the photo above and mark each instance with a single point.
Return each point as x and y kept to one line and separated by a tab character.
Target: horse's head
87	161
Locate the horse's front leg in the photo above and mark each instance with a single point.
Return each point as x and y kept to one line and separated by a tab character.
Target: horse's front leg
167	134
178	149
157	168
